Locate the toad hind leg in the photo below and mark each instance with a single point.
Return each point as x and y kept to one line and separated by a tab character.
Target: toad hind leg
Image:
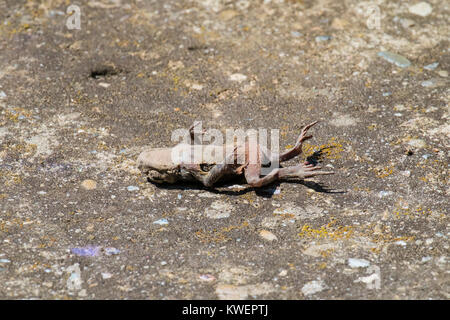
252	174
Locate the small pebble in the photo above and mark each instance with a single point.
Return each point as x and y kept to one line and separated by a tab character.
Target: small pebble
2	95
207	277
161	222
428	83
383	194
296	34
283	273
267	235
313	287
431	66
422	9
89	184
132	188
443	73
323	38
358	263
4	261
237	77
106	275
111	251
407	23
394	58
417	143
406	173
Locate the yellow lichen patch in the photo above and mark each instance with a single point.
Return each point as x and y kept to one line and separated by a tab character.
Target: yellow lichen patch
383	234
284	215
331	150
361	189
176	79
329	231
284	131
9	178
47	241
326	253
15	114
249	196
408	212
383	172
220	235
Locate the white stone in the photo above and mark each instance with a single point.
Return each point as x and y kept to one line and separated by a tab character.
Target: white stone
219	210
417	143
358	263
74	281
313	287
132	188
239	77
421	9
267	235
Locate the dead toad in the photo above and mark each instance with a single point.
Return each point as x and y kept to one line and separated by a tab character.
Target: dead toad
160	165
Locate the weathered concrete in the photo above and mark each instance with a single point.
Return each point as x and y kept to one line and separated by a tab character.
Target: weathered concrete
77	220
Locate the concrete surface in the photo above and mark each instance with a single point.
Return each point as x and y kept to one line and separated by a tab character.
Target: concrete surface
78	221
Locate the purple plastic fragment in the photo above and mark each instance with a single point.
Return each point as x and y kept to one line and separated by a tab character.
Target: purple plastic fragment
89	251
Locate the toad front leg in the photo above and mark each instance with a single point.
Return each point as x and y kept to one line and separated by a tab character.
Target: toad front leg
297	149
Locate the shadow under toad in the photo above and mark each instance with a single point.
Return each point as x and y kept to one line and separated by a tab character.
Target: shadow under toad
227	188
